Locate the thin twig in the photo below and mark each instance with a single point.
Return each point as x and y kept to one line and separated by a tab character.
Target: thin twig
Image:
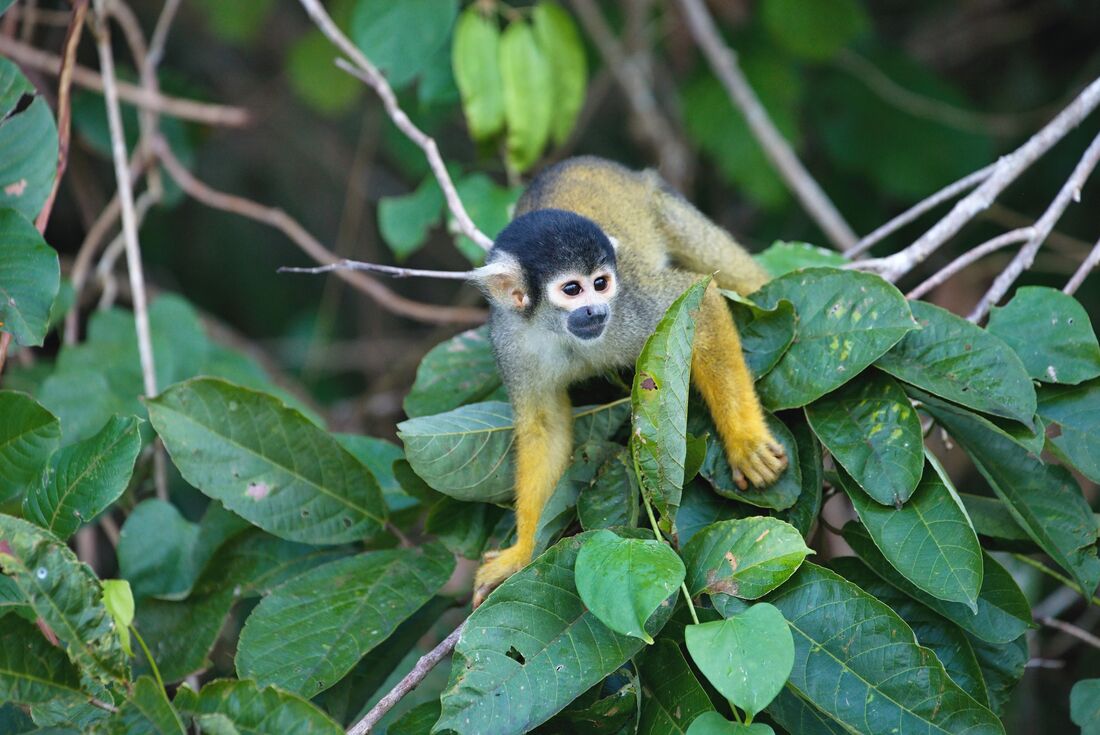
290	227
1070	192
1005	171
1090	263
202	112
129	219
1071	629
969	257
426	663
64	107
724	63
389	270
160	33
368	73
103	705
948	192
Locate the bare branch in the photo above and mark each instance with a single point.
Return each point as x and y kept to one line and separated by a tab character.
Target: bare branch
368	73
389	270
1005	171
970	256
426	663
724	62
1090	263
1070	192
1070	629
290	227
160	33
184	109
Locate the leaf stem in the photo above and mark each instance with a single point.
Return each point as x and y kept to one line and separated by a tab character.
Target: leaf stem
148	656
1055	575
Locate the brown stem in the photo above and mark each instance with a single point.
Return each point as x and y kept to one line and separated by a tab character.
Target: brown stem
1090	263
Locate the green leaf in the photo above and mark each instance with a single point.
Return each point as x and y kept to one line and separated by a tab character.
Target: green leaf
795	714
466	453
65	594
561	45
237	22
401	38
316	79
1084	706
700	506
872	677
712	723
29	434
992	518
846	321
1002	667
266	462
146	712
817	32
746	558
405	221
675	697
747	657
258	711
475	57
1003	613
954	359
4	5
32	670
456	372
624	580
1073	414
1044	499
562	650
803	514
490	207
85	478
28	147
611	499
659	403
1051	333
780	258
417	720
352	604
528	95
119	601
765	333
930	540
780	495
872	431
29	275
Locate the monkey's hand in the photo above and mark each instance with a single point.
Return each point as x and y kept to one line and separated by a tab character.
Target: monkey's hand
756	460
497	567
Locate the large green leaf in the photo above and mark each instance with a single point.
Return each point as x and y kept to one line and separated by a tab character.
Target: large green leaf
674	697
146	712
561	44
746	558
29	434
32	670
490	206
712	723
803	514
814	32
611	499
29	275
458	371
1044	499
316	80
796	715
846	320
466	453
929	540
659	403
1051	333
781	257
1084	705
623	580
267	462
859	663
1073	416
506	680
405	221
251	709
401	38
1003	667
780	495
28	145
1003	613
351	606
66	595
526	75
954	359
84	478
765	333
475	56
873	432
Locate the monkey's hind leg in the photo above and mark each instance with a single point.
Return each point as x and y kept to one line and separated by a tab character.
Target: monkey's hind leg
544	443
721	375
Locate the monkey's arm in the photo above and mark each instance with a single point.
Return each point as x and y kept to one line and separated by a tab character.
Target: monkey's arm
544	444
700	246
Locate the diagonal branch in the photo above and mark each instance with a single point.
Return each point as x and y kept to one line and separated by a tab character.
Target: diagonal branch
1090	263
970	256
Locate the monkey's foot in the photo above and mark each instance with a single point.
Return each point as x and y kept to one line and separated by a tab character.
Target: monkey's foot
497	567
757	461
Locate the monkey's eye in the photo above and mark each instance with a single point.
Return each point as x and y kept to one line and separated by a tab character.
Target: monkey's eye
600	284
572	288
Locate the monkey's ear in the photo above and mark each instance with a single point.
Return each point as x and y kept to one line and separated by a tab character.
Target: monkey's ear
614	242
502	282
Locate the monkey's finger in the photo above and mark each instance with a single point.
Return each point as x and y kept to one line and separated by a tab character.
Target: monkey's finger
739	480
480	594
777	450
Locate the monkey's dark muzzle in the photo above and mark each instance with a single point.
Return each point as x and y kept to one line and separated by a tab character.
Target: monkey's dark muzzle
588	322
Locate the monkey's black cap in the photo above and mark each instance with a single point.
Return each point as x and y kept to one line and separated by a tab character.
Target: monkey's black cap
547	242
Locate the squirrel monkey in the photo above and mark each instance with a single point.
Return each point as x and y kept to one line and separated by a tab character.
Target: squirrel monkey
576	284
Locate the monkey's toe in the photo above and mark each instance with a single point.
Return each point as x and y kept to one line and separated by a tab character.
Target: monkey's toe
760	463
497	567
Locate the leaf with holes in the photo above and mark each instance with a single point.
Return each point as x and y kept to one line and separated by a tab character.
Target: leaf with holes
29	277
29	434
28	145
1073	415
33	670
746	558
